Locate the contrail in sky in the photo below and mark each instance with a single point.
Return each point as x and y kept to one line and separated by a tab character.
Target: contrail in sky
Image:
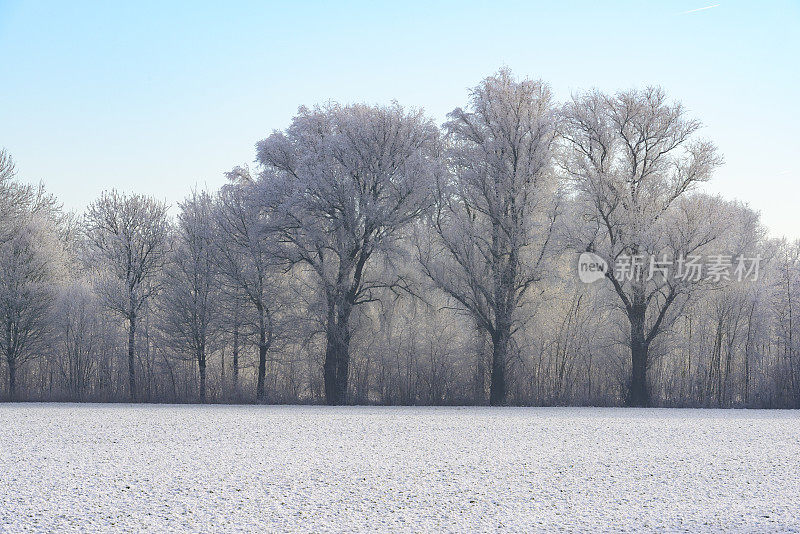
699	9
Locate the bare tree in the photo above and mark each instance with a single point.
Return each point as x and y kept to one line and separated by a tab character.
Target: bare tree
27	276
361	258
190	299
341	182
128	235
17	200
786	294
30	252
7	167
77	324
496	211
632	157
246	258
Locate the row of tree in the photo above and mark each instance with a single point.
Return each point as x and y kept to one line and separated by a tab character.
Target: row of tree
374	257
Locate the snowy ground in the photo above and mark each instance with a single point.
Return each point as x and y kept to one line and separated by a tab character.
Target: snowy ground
222	468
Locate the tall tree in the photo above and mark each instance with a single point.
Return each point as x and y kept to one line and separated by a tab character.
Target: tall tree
28	266
496	211
30	252
247	260
191	296
785	298
632	157
78	327
341	183
128	236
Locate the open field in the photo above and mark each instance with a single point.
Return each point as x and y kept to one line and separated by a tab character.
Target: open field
219	468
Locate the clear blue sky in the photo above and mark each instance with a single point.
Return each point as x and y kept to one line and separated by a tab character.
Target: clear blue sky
159	97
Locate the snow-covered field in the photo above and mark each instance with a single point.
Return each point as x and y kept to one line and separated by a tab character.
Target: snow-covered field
152	468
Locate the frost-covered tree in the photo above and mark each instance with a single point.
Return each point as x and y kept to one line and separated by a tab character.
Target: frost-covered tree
191	293
785	292
246	258
7	166
632	158
128	238
341	183
28	271
78	329
16	199
495	210
304	276
30	256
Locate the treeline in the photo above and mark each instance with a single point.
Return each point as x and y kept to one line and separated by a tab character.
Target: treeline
372	256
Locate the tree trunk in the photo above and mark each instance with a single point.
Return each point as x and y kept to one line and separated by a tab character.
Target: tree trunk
497	389
131	364
201	364
223	381
337	356
12	378
329	370
262	363
727	395
638	392
715	378
480	372
747	358
236	361
12	361
343	367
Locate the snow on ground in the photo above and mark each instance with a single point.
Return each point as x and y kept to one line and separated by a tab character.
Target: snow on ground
67	467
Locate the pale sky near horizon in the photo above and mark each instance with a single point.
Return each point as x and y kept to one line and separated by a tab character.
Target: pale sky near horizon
157	98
